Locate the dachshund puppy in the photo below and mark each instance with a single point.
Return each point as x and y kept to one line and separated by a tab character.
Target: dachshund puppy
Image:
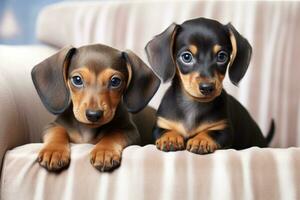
91	89
196	113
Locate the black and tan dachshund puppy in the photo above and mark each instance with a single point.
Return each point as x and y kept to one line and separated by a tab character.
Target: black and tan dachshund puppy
196	113
92	88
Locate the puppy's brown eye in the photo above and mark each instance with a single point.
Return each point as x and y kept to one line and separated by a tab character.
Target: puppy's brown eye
186	57
115	82
222	57
77	81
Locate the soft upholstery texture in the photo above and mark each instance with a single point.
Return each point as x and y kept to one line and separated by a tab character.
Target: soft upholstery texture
269	89
22	113
146	173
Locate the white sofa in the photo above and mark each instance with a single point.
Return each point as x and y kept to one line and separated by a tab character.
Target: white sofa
270	89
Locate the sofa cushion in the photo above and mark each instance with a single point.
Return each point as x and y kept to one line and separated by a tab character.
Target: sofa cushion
270	87
147	173
22	113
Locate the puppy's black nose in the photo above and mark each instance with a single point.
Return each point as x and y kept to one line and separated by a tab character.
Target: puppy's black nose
93	115
206	88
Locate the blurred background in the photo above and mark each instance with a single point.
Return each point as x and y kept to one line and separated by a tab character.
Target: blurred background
18	20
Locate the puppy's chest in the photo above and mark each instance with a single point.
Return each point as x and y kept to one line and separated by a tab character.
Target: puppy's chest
191	121
85	135
188	129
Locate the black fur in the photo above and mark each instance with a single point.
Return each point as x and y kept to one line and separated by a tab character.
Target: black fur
164	53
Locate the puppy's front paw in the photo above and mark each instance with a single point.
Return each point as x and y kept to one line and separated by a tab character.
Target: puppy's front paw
105	159
54	157
202	144
170	141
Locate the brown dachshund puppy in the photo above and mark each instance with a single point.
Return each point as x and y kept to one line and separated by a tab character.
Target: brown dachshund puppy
196	113
92	88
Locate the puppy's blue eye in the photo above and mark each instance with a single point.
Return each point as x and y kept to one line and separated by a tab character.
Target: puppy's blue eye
186	57
222	57
115	82
77	81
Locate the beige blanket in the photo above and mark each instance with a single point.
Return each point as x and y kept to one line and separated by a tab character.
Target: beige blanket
147	173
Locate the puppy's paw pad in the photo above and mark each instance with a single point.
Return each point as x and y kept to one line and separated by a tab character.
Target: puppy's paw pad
105	159
54	158
201	145
170	141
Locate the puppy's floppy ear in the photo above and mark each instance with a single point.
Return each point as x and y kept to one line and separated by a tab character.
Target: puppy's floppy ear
143	83
49	78
240	57
160	53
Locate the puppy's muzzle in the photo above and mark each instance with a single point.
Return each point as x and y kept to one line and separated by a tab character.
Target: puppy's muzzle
93	115
206	88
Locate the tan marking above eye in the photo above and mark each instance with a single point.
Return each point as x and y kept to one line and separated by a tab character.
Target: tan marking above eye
179	127
216	48
87	76
191	81
84	71
104	76
193	49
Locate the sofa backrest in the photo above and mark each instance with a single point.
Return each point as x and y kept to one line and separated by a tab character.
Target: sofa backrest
270	88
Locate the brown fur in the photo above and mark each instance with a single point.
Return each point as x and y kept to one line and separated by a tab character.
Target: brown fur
170	140
216	48
56	153
179	127
234	48
191	82
111	128
202	143
90	98
193	49
107	152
